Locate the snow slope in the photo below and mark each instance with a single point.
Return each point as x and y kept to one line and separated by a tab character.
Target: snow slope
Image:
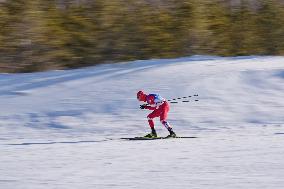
61	129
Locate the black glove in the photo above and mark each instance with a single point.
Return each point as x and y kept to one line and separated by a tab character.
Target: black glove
143	106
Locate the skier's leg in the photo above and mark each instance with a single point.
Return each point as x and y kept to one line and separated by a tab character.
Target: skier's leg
164	115
152	126
163	118
169	128
150	118
166	124
151	122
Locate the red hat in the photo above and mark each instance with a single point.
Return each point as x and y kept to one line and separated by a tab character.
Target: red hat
141	96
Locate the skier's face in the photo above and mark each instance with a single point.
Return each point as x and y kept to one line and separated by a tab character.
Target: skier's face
141	97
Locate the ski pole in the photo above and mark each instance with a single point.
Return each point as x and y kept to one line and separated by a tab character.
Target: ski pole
174	100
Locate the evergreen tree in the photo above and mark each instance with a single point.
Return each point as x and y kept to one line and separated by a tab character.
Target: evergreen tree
270	28
14	45
38	35
218	25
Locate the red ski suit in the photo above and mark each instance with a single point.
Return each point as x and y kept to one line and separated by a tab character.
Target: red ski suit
160	106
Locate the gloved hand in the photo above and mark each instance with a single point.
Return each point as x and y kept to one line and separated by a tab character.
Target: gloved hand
144	106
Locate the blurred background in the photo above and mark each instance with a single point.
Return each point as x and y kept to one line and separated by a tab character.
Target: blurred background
39	35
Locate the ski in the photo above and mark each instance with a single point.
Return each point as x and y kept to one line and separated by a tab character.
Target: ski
154	138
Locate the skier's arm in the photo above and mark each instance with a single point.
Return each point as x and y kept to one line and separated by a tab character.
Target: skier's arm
146	106
151	103
150	108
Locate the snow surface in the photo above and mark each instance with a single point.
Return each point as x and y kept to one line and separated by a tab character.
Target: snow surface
61	129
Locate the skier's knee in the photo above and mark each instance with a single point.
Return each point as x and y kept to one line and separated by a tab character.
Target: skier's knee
163	121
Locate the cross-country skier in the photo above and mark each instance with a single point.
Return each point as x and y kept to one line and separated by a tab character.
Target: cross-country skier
161	108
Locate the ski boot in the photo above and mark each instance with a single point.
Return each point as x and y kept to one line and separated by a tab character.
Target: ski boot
153	134
172	134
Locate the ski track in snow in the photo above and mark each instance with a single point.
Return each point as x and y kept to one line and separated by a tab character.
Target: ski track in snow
62	129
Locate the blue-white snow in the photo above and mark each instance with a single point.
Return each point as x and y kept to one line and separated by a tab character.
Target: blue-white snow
56	127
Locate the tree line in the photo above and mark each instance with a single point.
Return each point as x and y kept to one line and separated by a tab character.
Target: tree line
37	35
